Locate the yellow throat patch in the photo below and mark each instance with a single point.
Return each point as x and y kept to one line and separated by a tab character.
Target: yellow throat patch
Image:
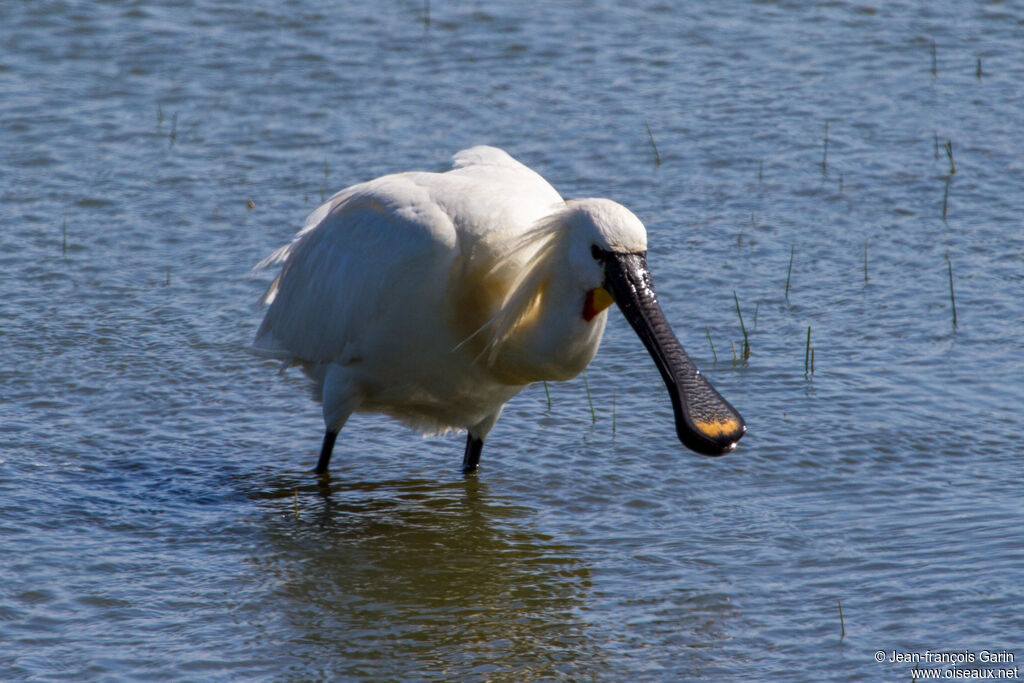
597	300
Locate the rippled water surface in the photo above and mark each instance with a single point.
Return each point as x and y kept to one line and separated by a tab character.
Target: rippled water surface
158	516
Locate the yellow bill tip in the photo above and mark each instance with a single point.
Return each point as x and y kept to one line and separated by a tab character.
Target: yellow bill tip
718	428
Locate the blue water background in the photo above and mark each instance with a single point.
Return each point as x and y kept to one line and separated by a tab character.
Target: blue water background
158	517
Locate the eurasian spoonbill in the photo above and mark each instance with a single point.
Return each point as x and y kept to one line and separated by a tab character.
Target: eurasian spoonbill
436	297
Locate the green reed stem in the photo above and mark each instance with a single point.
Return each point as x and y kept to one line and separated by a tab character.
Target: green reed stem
613	411
711	344
865	259
789	271
952	297
824	157
593	415
654	146
746	340
842	622
807	353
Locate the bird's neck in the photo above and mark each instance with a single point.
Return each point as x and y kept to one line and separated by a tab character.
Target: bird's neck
552	341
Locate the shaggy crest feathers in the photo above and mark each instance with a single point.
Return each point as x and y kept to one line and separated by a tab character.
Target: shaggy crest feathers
537	248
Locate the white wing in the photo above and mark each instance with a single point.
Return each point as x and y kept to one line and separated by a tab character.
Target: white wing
354	267
393	249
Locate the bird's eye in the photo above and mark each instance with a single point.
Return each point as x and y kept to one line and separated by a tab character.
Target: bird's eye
596	253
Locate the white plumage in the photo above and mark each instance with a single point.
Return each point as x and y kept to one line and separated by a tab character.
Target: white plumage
436	297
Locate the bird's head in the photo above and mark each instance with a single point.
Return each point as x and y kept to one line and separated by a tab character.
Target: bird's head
598	227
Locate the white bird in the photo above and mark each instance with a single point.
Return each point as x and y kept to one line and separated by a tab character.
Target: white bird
436	297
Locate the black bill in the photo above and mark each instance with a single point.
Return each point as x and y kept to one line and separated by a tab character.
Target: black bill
705	422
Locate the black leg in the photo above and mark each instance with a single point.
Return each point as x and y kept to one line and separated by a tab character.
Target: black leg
325	452
472	457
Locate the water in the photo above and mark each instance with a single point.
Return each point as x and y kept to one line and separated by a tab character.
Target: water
159	519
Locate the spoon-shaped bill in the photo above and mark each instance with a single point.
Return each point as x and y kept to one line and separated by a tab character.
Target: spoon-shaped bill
705	422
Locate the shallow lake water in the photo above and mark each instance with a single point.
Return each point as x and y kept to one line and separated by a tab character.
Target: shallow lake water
159	518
